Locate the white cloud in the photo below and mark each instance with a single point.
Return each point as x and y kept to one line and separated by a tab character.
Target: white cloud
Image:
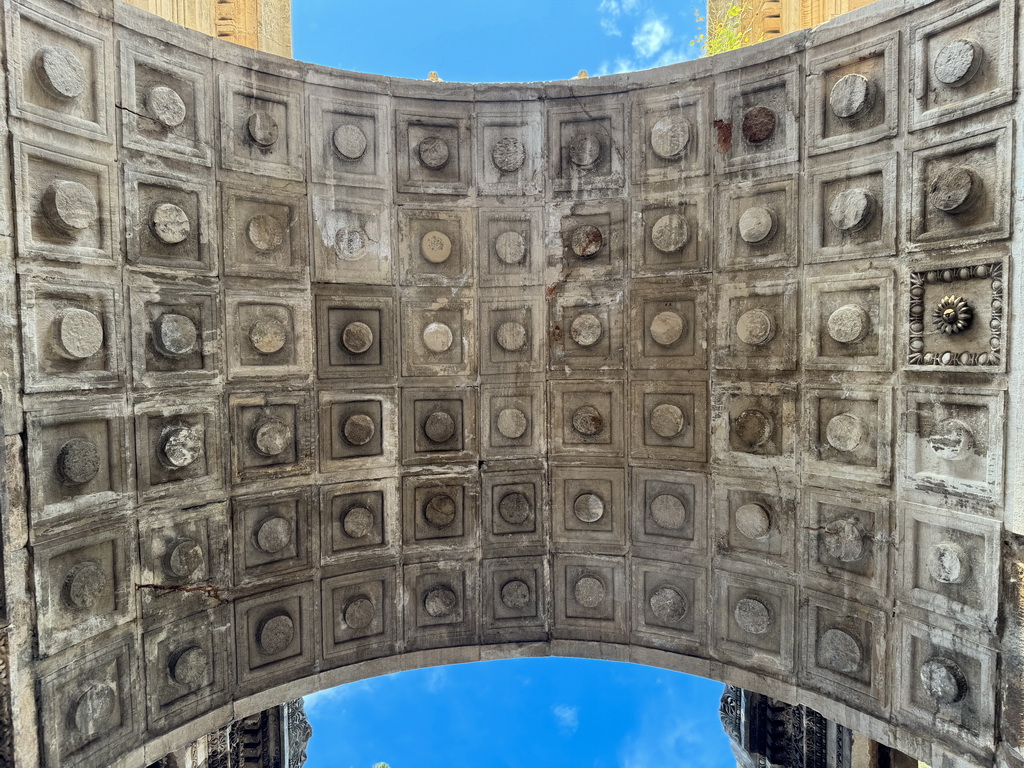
611	10
651	37
609	27
568	717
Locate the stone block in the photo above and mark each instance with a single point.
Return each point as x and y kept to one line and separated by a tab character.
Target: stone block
441	510
433	140
513	333
358	430
514	595
754	425
510	247
509	148
358	518
758	224
441	604
359	610
668	509
272	435
668	326
590	597
755	520
588	508
670	138
754	622
586	145
438	333
438	425
356	334
669	421
351	238
757	323
670	234
264	234
586	328
514	508
512	423
848	433
668	605
756	118
848	325
276	635
586	418
268	336
348	138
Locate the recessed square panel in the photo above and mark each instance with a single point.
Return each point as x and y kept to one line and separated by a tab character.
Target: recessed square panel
71	335
959	191
757	325
358	430
590	598
957	314
360	615
754	622
669	605
348	143
513	333
440	508
514	594
433	148
669	509
586	418
268	337
954	443
670	141
441	604
591	242
358	518
264	235
758	224
852	93
669	421
853	210
512	422
271	533
436	247
670	235
351	238
273	435
848	325
668	326
437	334
756	120
509	148
513	507
586	144
588	505
585	328
275	635
962	63
261	125
755	521
510	247
438	424
754	425
356	334
848	433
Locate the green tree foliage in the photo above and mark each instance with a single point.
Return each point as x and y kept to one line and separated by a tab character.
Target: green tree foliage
727	27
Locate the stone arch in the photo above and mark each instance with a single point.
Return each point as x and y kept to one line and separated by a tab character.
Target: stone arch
325	374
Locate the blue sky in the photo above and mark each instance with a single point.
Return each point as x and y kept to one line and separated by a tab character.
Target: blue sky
521	714
530	712
493	41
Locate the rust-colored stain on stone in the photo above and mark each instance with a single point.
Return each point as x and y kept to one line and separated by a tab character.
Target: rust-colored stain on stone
724	131
758	124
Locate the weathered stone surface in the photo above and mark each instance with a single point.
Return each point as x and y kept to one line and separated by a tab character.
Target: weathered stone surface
711	365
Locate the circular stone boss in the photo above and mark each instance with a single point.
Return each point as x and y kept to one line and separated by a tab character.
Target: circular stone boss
849	324
511	336
78	333
274	534
668	420
667	328
943	680
268	335
175	335
512	423
94	710
357	522
588	507
189	667
586	241
757	225
436	247
358	429
851	210
271	437
508	154
948	563
584	149
349	142
357	337
668	604
670	233
753	520
752	616
180	447
668	511
589	591
845	432
851	96
758	124
60	71
670	136
515	508
78	461
954	190
515	594
440	601
952	440
510	247
349	244
275	634
958	62
184	558
359	612
439	427
84	585
440	510
437	337
262	129
840	651
265	232
586	329
433	152
165	106
844	540
755	327
587	421
69	206
753	428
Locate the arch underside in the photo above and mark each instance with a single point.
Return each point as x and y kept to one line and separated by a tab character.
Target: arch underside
320	375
